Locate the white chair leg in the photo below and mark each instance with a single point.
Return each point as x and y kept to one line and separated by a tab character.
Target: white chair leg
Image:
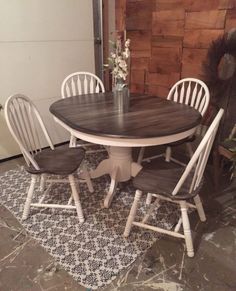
200	209
149	199
168	154
186	228
75	195
177	227
42	182
29	197
87	178
140	155
72	141
189	149
132	213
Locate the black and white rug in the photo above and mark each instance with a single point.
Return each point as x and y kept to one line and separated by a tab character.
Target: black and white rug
93	252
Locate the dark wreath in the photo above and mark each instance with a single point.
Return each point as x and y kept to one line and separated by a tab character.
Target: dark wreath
220	66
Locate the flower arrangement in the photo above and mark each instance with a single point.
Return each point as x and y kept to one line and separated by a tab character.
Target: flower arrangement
118	60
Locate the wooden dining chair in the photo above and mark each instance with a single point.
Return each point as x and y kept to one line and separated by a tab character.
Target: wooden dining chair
30	133
79	83
191	92
176	185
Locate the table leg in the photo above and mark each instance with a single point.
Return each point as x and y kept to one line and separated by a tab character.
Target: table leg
112	188
102	169
119	166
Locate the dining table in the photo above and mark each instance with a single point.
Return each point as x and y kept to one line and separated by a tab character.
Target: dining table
150	121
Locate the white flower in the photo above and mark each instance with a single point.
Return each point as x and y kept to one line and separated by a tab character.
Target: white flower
118	60
127	43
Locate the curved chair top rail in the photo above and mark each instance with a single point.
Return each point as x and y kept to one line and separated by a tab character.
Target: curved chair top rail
200	157
26	126
79	83
192	92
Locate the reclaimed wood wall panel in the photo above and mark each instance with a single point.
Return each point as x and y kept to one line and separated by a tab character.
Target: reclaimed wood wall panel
156	90
212	19
192	62
227	4
194	5
166	41
231	19
170	38
120	14
141	40
165	60
165	80
168	22
201	6
200	38
139	15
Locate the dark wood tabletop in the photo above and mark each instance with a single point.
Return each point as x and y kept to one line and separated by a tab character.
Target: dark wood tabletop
148	116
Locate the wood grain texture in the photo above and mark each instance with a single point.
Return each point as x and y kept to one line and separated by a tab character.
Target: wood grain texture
193	5
139	15
201	38
141	40
192	62
167	41
148	116
163	181
157	90
213	19
166	80
140	63
162	30
60	161
169	22
165	60
120	11
138	76
230	19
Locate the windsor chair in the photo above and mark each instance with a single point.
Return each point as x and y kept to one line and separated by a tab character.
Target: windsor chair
176	185
79	83
194	93
28	130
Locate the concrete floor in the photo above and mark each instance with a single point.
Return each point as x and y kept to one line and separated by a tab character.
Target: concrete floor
25	265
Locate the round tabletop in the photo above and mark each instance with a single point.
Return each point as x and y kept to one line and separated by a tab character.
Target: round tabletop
148	116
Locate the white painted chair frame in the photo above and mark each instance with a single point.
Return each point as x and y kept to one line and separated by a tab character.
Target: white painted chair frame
197	164
25	124
182	92
79	83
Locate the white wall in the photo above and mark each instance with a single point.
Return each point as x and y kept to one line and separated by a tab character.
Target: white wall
41	42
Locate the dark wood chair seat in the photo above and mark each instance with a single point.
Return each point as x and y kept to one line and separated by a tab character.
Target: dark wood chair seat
60	161
163	182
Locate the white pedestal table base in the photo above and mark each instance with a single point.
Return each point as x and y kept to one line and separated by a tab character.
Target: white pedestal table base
119	166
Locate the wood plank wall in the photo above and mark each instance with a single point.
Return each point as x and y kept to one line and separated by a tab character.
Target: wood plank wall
170	38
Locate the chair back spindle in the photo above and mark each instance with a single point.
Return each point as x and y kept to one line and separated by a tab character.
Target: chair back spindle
26	126
192	92
81	83
198	162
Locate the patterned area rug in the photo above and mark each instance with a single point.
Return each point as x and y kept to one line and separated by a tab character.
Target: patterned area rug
93	252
